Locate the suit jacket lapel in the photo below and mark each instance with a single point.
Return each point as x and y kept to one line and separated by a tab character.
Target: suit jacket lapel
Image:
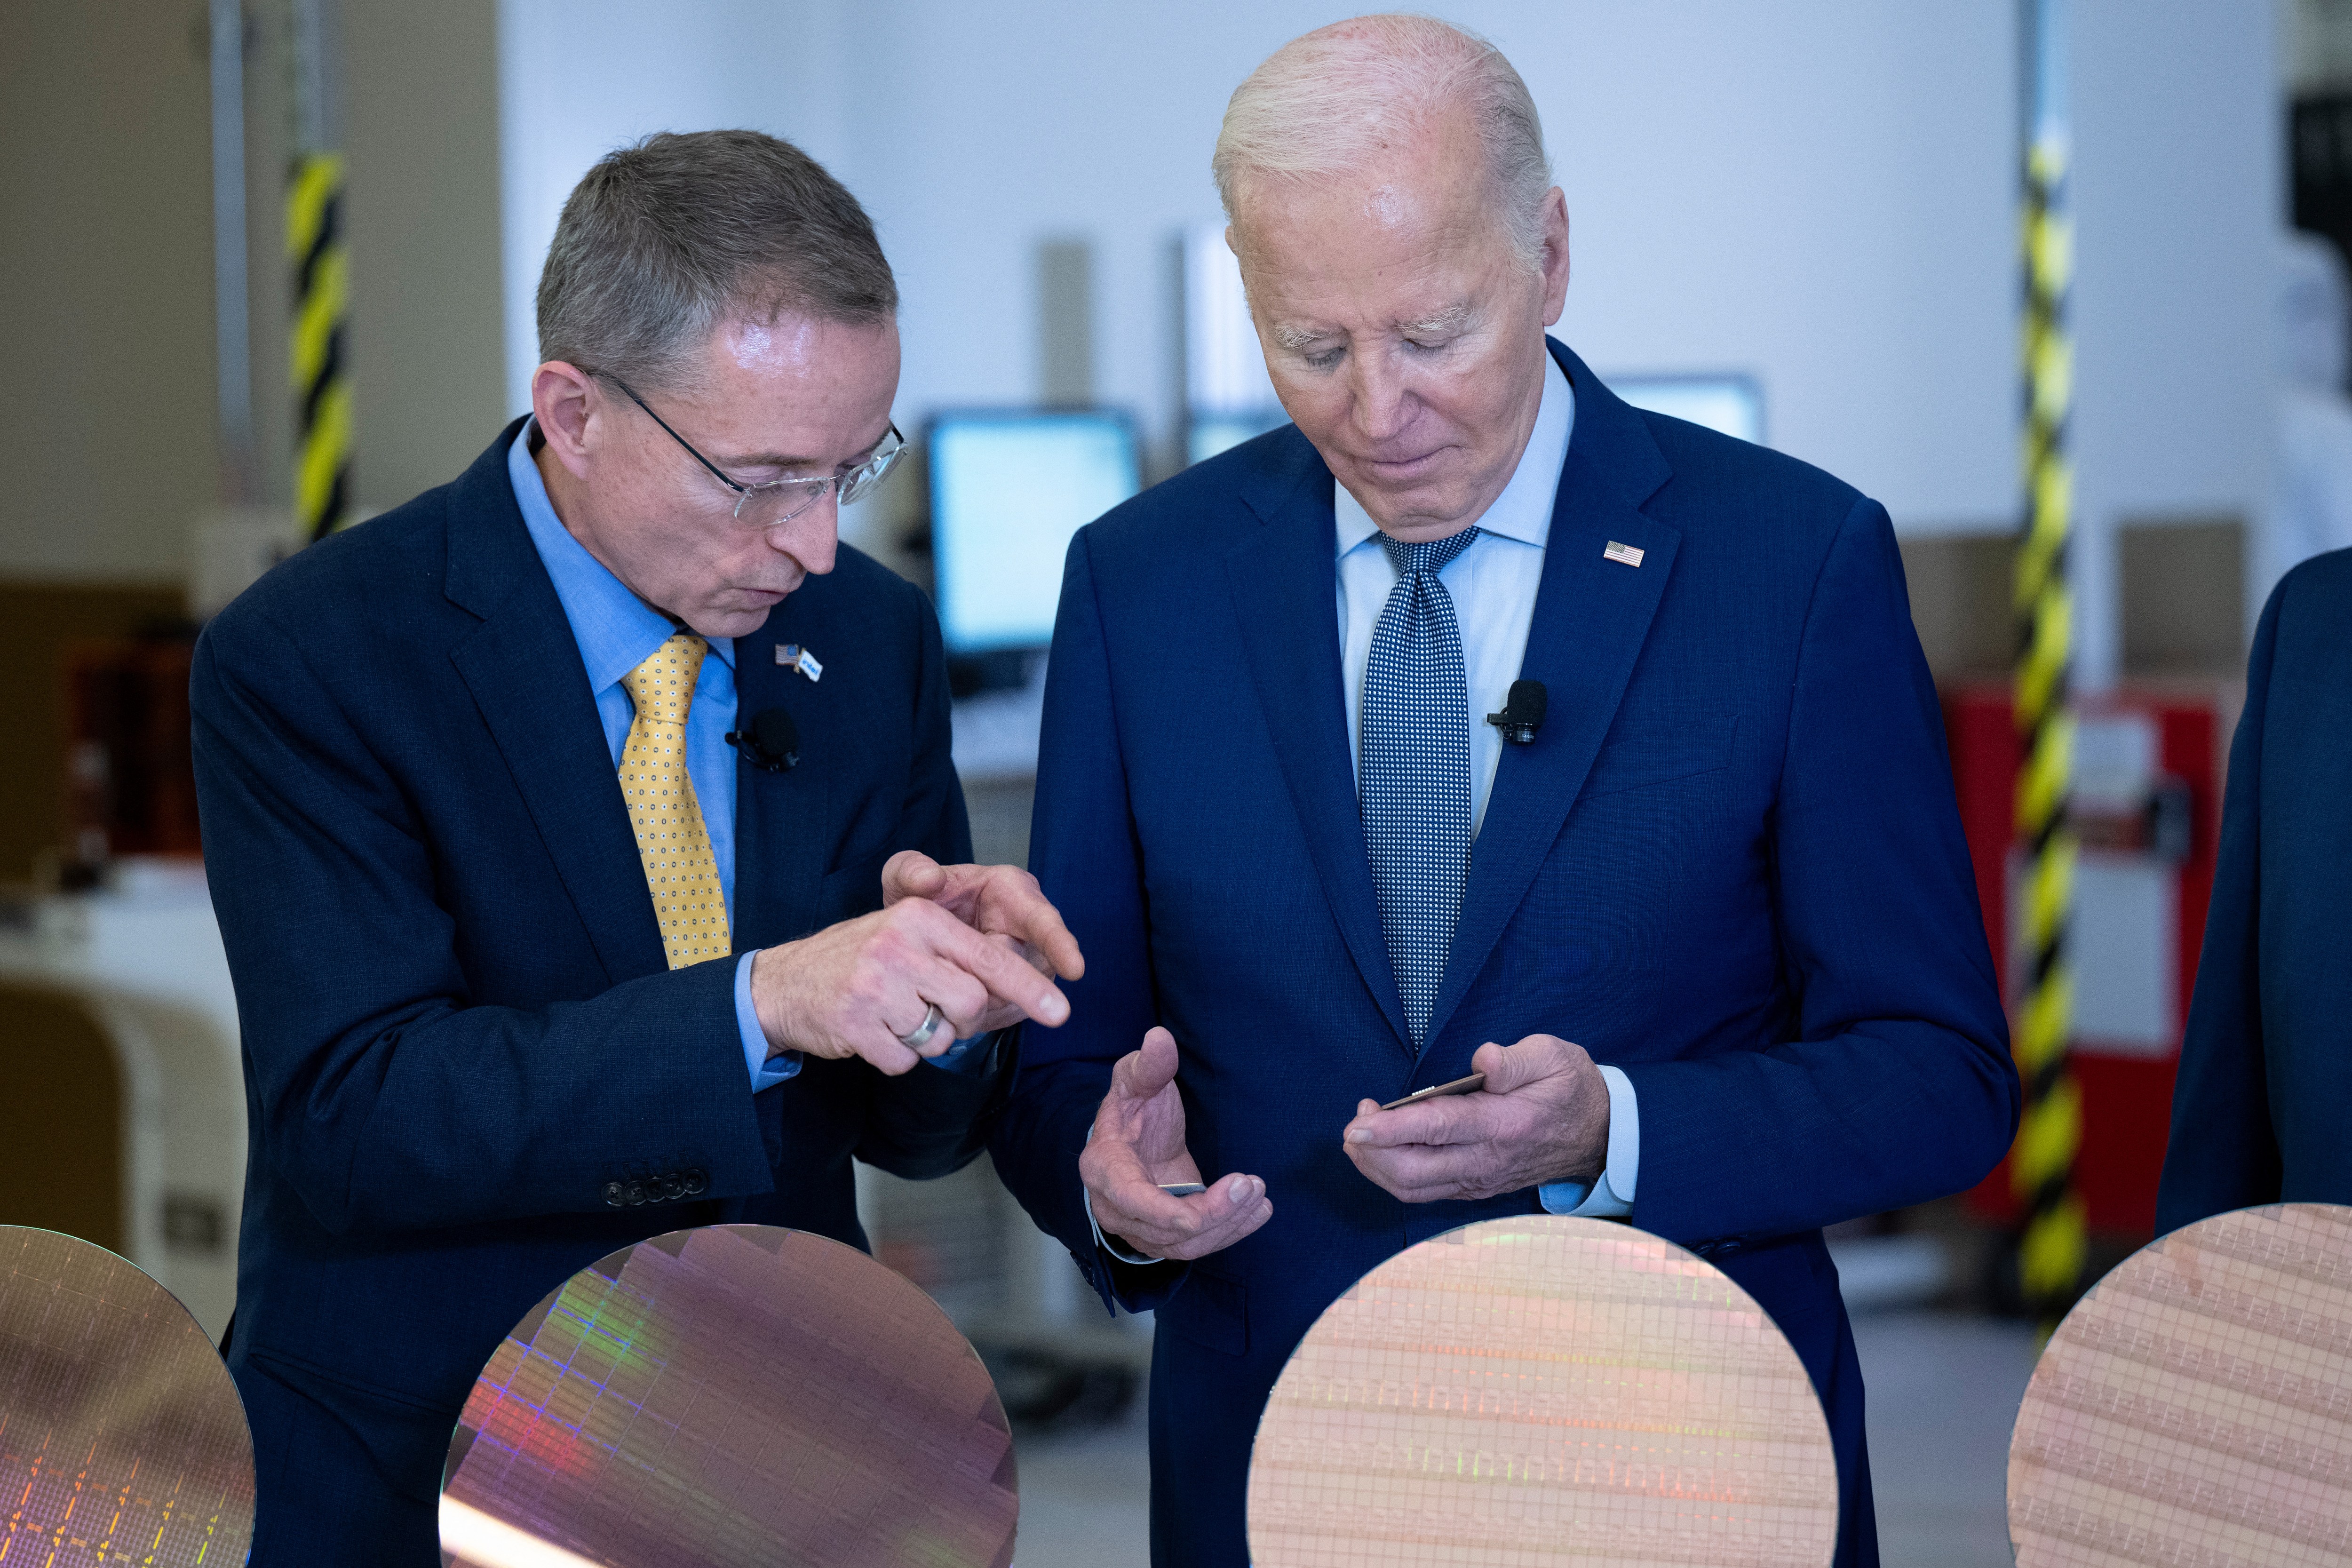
522	666
781	833
1592	616
1284	595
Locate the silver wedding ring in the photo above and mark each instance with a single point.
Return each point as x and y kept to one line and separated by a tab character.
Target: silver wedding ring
932	1020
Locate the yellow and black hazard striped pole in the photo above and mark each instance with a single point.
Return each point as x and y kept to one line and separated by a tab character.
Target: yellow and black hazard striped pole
322	387
2041	1165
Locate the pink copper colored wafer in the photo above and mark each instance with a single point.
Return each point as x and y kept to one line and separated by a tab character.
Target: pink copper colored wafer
2195	1409
732	1394
1542	1390
122	1437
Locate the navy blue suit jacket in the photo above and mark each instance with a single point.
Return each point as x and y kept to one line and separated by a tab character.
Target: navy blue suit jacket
2260	1109
1729	864
460	1028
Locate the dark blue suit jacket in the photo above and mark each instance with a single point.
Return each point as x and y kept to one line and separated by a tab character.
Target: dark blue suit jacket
459	1028
1730	864
2260	1109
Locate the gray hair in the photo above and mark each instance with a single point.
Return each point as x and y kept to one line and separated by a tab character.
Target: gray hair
661	241
1326	104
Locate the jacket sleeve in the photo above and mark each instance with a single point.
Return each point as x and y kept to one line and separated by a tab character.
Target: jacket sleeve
929	1121
378	1088
2223	1153
1083	848
1894	1084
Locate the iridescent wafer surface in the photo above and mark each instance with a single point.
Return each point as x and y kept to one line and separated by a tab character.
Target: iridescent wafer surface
2195	1409
122	1437
1543	1390
735	1394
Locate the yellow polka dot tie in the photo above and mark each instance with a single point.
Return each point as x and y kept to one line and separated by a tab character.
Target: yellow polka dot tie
672	840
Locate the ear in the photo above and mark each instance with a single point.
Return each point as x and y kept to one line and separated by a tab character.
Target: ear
570	407
1555	255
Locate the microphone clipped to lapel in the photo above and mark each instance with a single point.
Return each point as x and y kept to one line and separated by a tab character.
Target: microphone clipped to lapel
1523	712
770	742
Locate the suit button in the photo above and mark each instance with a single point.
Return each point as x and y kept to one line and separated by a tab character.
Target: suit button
673	1187
616	1195
697	1182
636	1193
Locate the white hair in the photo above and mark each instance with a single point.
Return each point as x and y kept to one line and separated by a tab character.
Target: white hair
1329	102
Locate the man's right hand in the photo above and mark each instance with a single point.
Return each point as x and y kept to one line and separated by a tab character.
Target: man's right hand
854	989
1138	1143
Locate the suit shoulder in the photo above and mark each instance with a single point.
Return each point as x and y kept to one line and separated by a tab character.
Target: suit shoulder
2321	587
350	576
860	584
1204	506
1757	518
860	573
860	598
1713	466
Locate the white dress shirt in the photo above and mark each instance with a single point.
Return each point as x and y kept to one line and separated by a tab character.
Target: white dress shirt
1493	585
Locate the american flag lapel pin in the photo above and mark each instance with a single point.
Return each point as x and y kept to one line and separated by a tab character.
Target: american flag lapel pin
1623	555
792	655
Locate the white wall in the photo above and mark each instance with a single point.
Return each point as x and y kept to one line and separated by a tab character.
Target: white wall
1821	195
2178	192
579	78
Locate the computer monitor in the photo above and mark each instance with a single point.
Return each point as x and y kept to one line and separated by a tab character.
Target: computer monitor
1731	404
1008	490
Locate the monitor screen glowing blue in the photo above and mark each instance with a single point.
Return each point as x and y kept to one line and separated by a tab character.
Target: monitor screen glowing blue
1008	490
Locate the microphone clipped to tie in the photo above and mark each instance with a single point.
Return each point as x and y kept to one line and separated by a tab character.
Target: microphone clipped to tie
1523	712
770	742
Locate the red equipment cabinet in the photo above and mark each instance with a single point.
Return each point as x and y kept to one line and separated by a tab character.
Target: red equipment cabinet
2127	1088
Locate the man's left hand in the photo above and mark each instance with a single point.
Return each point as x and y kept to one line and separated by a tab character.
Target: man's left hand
1002	903
1542	1117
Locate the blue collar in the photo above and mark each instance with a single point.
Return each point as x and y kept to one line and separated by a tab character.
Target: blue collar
616	630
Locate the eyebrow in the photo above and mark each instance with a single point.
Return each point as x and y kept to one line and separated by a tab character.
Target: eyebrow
1452	317
772	460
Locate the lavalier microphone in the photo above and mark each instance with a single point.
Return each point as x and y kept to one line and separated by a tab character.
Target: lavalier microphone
771	741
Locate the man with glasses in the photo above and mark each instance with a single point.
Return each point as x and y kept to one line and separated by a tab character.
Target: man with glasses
585	840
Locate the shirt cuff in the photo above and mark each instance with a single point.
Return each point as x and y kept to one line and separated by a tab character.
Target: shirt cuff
967	1057
1610	1196
767	1071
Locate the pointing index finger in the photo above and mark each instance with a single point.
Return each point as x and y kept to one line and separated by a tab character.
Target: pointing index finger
1005	973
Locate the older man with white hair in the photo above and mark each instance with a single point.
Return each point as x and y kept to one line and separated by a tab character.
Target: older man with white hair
1702	915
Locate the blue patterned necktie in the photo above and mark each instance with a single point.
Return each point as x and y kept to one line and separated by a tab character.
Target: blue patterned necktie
1414	777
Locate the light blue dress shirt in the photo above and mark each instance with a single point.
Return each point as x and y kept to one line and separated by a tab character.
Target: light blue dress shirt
617	632
1493	585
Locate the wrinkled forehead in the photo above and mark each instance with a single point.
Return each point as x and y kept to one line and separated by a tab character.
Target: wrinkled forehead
1384	254
746	354
1419	202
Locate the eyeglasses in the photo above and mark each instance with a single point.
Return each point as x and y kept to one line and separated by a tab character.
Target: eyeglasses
778	501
